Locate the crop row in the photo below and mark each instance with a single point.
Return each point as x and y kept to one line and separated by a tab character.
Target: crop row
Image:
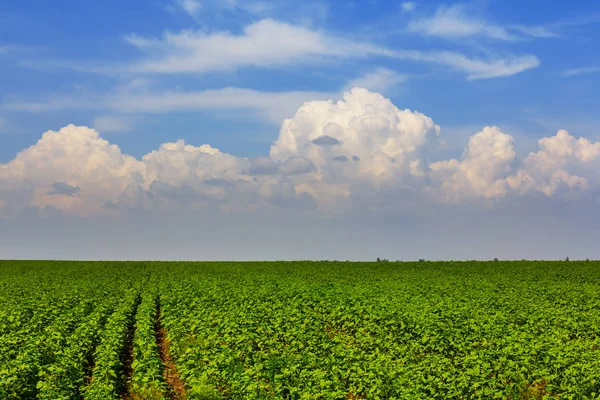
147	380
108	375
66	378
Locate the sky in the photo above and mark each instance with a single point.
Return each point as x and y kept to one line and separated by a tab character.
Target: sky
298	129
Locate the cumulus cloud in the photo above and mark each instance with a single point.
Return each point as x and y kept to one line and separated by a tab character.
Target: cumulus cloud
262	166
482	170
489	168
297	165
562	161
77	158
291	166
361	152
364	124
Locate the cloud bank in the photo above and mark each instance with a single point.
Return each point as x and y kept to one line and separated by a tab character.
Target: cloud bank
346	179
330	158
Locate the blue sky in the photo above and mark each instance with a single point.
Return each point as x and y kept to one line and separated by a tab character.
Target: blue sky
80	49
440	114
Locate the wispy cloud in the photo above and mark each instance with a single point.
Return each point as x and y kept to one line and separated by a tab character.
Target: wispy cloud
139	97
270	106
294	9
20	50
269	43
380	80
475	68
535	31
266	43
581	71
587	19
113	124
453	22
408	6
251	6
190	6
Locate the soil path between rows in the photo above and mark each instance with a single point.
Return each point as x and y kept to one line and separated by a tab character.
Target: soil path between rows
174	382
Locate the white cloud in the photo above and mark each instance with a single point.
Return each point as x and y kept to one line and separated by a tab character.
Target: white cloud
408	6
361	151
266	43
363	124
383	146
273	106
535	31
139	97
110	124
190	6
482	171
378	140
454	22
252	7
177	164
294	9
381	80
477	69
74	156
561	161
270	106
489	170
269	43
581	71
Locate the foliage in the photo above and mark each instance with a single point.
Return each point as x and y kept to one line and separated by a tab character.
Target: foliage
147	381
108	375
304	330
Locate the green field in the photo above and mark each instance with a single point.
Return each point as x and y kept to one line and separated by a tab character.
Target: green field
299	330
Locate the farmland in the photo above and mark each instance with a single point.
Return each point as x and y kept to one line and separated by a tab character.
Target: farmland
299	330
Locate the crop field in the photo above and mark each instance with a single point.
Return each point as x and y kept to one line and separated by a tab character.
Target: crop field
299	330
